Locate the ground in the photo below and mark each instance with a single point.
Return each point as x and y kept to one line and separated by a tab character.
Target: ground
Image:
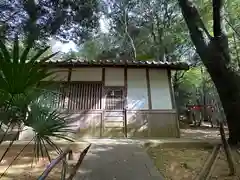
118	159
204	133
221	170
108	159
23	168
185	163
179	163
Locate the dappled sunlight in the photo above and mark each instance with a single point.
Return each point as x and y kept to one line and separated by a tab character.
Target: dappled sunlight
200	133
116	159
24	167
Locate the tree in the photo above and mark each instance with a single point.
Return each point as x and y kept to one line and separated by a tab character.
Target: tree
214	53
41	19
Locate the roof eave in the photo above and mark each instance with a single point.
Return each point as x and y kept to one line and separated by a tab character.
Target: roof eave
181	66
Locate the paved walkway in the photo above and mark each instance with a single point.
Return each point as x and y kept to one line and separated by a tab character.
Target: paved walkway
117	160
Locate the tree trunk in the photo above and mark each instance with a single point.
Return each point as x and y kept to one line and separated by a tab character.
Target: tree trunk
214	54
227	83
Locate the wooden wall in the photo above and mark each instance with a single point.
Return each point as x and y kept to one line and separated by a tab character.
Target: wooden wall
148	100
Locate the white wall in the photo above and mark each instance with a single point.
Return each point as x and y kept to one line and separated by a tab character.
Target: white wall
114	77
137	97
160	92
86	74
59	75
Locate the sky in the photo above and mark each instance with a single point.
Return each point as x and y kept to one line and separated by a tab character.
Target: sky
66	47
63	47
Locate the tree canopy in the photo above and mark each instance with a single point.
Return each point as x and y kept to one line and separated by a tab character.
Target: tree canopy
39	20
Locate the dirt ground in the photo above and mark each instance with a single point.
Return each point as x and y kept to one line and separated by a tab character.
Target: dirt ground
186	164
23	168
221	170
178	164
205	133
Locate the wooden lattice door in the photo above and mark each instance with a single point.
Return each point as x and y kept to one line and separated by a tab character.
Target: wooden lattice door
114	111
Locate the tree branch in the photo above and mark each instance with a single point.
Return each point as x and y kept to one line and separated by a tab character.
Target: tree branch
195	26
217	17
233	28
220	36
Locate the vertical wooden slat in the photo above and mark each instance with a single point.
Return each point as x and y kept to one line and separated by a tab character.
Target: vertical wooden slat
66	94
70	97
78	97
92	95
85	90
84	97
62	99
149	89
95	91
58	97
96	96
68	85
81	97
88	89
100	96
75	96
89	99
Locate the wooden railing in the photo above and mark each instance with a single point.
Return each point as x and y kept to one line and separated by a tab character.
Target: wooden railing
62	158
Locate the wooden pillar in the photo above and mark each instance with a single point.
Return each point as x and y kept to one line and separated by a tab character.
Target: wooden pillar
171	89
149	98
102	103
149	89
174	106
125	102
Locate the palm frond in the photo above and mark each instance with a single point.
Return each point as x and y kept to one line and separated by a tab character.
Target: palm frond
38	54
23	58
47	124
48	57
20	90
15	52
4	51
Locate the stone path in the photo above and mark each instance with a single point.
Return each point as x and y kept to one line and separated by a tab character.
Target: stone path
117	160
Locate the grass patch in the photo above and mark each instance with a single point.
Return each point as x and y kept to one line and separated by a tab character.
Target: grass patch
179	163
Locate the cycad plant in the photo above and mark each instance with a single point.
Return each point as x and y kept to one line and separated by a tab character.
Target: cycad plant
20	89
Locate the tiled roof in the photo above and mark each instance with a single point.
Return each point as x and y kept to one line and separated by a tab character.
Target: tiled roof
120	63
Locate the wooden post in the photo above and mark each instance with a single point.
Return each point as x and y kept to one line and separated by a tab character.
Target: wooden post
149	98
174	105
149	89
125	102
210	161
227	151
102	103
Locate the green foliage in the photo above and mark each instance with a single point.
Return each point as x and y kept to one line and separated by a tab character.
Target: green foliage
39	20
20	90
